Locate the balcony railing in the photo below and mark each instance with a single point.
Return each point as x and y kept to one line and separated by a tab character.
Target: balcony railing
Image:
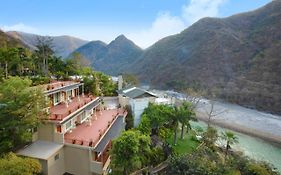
62	110
93	141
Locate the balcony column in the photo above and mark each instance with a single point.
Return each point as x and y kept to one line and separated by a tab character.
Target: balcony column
82	90
78	94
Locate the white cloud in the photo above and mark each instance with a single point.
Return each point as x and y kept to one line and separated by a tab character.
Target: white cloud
19	27
198	9
163	25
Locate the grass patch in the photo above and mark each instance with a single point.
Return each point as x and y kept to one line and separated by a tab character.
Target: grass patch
186	145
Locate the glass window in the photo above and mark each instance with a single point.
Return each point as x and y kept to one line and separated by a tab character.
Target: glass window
57	157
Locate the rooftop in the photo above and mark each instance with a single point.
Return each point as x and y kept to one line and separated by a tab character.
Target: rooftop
61	111
40	149
89	133
136	92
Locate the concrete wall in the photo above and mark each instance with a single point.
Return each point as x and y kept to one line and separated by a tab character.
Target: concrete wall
77	160
123	100
56	166
35	136
44	166
46	132
138	106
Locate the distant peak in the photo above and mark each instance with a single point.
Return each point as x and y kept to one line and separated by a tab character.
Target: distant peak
121	37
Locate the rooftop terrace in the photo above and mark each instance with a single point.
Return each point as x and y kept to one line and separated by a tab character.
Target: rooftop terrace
57	84
62	110
90	133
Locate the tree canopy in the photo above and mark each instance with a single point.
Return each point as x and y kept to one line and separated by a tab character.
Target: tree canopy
21	111
128	150
10	164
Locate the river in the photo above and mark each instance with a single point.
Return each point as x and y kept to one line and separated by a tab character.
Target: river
253	147
252	125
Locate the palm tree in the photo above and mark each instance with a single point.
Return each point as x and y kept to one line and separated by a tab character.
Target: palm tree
174	117
230	139
186	115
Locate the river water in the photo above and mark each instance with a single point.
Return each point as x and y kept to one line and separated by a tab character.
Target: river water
251	146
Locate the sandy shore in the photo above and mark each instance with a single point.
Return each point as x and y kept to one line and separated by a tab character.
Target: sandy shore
242	129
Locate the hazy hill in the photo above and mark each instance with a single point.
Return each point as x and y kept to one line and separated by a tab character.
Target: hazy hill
63	45
8	41
111	58
237	57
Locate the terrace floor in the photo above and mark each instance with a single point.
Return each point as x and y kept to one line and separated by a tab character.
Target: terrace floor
60	111
87	134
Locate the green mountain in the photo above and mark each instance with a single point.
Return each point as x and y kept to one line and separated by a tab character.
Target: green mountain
8	41
238	58
62	45
112	58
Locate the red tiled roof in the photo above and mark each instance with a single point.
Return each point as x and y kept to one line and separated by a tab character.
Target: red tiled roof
89	135
61	111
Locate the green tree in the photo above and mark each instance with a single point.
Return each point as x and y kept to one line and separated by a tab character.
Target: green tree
210	137
10	164
129	118
21	111
56	67
129	151
186	115
155	117
230	139
44	53
130	80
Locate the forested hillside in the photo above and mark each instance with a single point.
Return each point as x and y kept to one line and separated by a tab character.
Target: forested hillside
238	58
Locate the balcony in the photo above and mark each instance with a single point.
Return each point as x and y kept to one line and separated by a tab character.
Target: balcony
91	133
57	85
62	110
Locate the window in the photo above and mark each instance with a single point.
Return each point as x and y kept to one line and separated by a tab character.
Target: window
83	116
57	98
57	157
68	125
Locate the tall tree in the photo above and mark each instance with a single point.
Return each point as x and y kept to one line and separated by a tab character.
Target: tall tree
129	151
21	110
186	115
44	53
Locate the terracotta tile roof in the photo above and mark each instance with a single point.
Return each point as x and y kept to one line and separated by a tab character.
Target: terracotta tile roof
89	135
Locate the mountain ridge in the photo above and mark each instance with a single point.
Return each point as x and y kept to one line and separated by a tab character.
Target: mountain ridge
236	58
63	45
113	57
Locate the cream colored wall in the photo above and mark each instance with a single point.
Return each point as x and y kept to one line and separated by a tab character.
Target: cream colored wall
35	136
46	132
77	160
56	167
44	166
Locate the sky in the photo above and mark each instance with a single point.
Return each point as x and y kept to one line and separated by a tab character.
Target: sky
142	21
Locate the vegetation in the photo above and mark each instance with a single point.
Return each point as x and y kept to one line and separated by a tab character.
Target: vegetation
186	145
10	164
129	152
230	139
208	159
206	56
130	80
21	111
129	118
